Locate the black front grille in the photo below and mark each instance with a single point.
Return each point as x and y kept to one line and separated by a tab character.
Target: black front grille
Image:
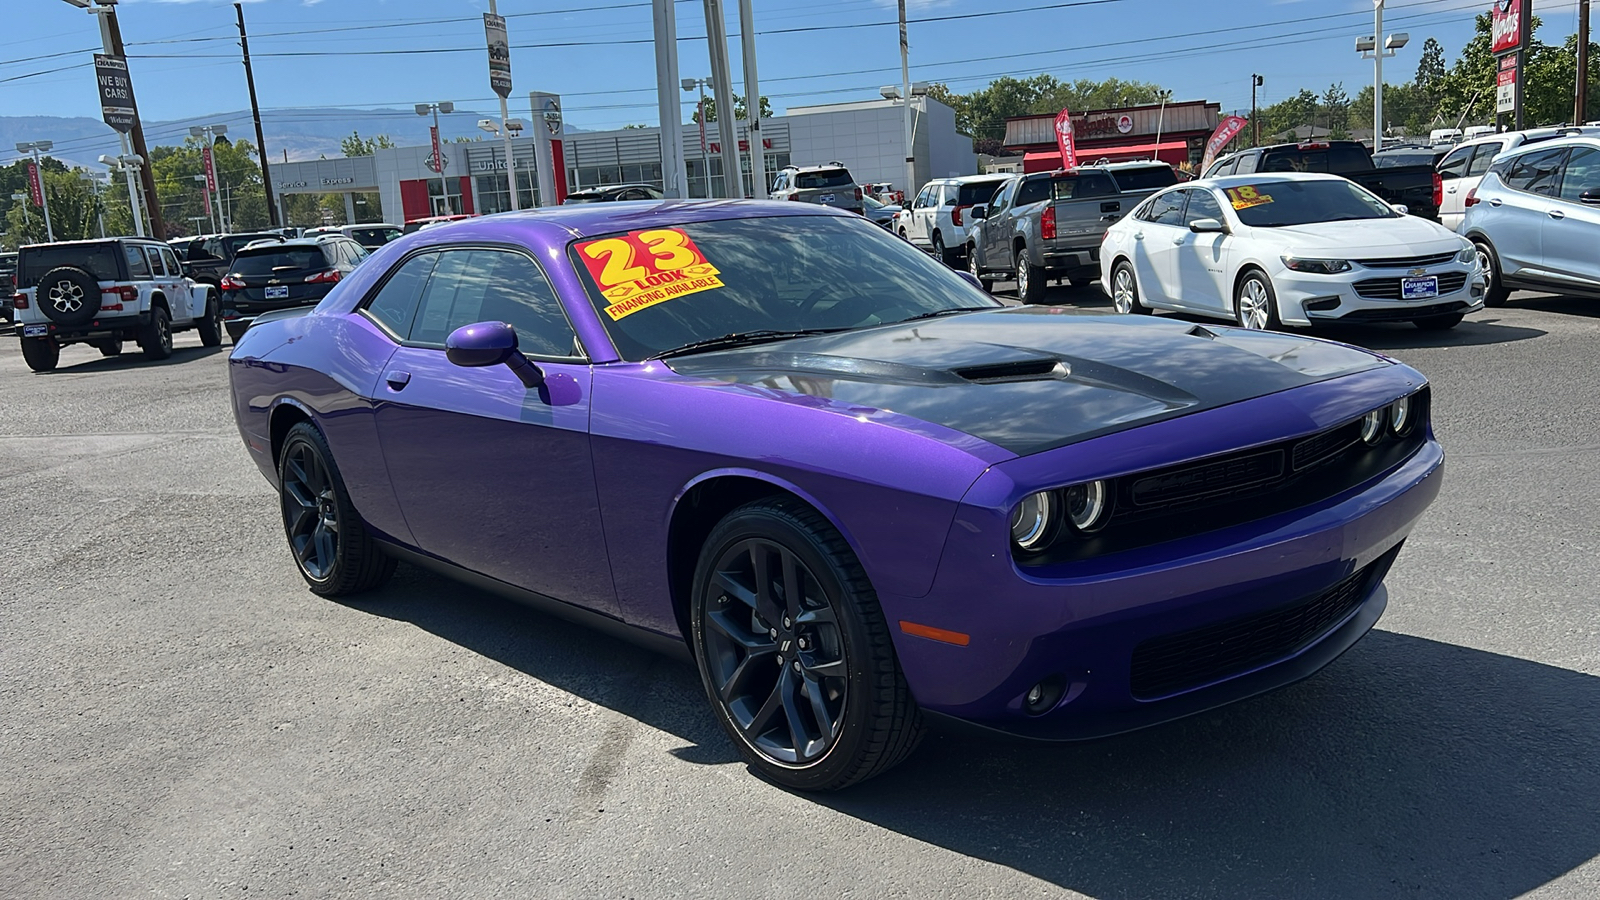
1407	262
1185	483
1178	662
1403	313
1389	288
1318	448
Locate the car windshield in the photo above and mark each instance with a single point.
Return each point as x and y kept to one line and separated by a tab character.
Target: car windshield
826	178
668	287
271	260
1272	204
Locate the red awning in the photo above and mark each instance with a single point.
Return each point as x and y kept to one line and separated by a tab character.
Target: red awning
1174	152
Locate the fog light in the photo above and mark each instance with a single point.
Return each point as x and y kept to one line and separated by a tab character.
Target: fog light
1035	694
1043	697
1372	425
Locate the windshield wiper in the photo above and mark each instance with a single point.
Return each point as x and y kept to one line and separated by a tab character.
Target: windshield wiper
742	339
945	312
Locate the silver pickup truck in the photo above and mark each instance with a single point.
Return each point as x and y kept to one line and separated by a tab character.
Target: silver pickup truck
1049	225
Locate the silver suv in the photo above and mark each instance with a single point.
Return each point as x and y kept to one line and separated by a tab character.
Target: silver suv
1535	219
829	185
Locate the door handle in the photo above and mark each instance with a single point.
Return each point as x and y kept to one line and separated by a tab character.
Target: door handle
1557	214
1450	191
1495	202
1178	240
397	379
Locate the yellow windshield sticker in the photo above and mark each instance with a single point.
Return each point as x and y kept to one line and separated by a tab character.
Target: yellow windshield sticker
643	268
1247	196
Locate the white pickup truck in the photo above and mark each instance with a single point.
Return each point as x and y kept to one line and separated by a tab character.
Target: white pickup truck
102	292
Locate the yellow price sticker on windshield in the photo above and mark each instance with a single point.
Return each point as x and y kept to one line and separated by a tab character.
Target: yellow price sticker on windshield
643	268
1247	196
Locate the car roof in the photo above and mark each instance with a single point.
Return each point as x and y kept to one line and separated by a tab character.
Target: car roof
1576	140
282	245
586	219
1228	181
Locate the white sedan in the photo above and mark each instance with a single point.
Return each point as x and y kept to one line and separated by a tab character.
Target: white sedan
1274	249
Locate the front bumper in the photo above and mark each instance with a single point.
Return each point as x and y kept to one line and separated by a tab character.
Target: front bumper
1357	296
1106	633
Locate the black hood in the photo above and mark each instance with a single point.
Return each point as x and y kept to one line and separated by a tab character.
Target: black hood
1031	379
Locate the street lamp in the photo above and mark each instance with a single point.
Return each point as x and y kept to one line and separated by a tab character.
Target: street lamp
129	163
20	197
437	160
894	92
690	84
1368	48
35	147
1161	121
94	183
209	133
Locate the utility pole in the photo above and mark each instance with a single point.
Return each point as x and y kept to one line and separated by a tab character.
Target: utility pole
722	86
1377	89
905	99
1581	104
111	37
255	113
1255	120
752	102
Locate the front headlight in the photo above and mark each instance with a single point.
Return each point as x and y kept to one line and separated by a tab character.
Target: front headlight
1468	255
1400	417
1373	424
1316	266
1087	505
1033	520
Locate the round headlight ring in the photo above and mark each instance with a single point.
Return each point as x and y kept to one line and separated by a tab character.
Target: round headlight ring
1031	521
1400	417
1088	505
1373	425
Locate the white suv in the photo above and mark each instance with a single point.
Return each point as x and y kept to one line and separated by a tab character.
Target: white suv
936	220
103	292
1462	168
1535	219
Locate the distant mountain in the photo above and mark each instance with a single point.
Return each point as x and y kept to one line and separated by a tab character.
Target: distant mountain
299	133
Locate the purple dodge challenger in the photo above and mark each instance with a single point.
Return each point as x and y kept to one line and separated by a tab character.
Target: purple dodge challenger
859	492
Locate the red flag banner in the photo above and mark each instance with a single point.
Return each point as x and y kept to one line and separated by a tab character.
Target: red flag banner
1227	130
35	187
436	162
211	171
1069	152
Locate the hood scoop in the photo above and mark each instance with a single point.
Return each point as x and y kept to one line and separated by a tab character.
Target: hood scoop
1016	370
1200	331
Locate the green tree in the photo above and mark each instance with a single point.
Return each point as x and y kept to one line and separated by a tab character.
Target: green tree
983	113
75	210
1336	111
356	145
739	109
1279	120
183	199
1430	70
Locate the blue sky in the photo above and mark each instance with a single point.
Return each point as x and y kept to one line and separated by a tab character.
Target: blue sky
184	52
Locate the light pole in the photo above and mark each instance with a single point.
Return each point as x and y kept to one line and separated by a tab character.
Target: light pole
130	163
689	84
905	93
1255	120
24	199
893	92
94	192
1161	121
512	128
1368	48
209	133
209	214
34	147
446	107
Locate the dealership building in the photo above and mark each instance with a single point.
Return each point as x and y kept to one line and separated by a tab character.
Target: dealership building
1173	132
867	136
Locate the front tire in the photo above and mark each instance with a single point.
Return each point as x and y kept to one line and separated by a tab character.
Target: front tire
41	354
1255	303
1496	293
332	547
1030	278
977	271
794	651
155	339
1125	290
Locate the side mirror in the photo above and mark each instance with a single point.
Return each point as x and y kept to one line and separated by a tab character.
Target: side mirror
491	344
981	211
1402	209
1208	226
1591	196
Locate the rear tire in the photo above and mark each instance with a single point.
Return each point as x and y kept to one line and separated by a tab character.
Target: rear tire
1031	279
776	583
155	339
1439	323
41	354
332	547
210	327
944	254
1496	294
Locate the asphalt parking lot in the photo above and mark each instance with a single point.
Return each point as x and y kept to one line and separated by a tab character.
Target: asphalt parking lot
184	719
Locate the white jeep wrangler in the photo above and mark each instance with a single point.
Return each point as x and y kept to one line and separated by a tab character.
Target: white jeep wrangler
106	291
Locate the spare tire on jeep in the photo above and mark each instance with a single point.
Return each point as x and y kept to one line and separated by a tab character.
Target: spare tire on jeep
69	296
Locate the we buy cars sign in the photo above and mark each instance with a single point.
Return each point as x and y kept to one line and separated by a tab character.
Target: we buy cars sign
1506	26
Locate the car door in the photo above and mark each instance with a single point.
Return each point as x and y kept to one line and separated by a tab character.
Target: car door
1572	227
1452	169
168	284
1519	210
491	475
922	210
1200	264
997	229
1157	238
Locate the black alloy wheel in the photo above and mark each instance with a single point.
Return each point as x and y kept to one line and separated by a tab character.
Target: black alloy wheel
977	271
155	338
794	651
331	545
210	326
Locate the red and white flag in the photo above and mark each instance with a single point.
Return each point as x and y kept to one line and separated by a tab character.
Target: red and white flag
1227	130
211	171
1069	152
35	187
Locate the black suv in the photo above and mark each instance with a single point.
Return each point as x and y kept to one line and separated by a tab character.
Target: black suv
272	276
